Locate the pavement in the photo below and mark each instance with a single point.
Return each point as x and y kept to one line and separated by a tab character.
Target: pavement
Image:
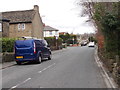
7	64
74	67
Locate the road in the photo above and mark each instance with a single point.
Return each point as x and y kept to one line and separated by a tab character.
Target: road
73	67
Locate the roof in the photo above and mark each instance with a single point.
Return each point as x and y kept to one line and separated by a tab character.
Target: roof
48	28
19	16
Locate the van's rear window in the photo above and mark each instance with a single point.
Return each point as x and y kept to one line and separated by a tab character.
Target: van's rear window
23	43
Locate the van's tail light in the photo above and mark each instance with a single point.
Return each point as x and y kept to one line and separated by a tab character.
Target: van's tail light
34	48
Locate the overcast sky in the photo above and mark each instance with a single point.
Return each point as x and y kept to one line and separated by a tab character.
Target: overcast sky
63	15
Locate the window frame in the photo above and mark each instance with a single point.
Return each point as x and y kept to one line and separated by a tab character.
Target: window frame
19	26
23	26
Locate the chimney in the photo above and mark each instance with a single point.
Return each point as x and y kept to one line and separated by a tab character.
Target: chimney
36	7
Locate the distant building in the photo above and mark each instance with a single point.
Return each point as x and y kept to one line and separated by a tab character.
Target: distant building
50	32
63	33
22	23
79	38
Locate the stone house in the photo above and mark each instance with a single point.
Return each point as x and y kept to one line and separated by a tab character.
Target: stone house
5	27
22	23
50	32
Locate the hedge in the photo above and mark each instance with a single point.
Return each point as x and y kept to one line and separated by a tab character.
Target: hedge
8	44
52	42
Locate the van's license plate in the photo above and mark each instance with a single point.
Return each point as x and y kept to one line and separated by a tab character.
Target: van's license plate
19	57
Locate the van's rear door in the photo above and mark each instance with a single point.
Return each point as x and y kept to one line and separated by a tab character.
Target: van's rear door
24	49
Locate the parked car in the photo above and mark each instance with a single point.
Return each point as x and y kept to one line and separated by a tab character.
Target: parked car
83	43
31	50
91	44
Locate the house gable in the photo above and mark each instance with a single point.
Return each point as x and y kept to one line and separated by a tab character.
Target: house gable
29	20
50	32
37	24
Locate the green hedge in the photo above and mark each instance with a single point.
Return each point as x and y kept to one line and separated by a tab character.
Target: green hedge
8	44
52	42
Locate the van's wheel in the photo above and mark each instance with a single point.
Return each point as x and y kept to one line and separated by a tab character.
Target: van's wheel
50	57
18	63
39	59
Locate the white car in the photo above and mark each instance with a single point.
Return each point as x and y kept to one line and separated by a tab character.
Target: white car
91	44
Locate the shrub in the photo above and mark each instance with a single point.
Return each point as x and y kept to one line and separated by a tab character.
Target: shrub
8	44
52	42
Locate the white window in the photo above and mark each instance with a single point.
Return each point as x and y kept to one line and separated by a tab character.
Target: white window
56	32
19	27
23	26
50	33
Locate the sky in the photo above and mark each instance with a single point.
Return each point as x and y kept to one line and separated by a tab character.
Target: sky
63	15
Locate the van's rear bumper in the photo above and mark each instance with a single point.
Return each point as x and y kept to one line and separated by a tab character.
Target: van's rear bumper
26	57
23	60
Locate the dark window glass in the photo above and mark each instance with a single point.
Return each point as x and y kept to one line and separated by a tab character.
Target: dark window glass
23	43
38	42
44	43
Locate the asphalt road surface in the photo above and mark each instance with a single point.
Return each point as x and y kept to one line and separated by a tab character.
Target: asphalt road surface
73	67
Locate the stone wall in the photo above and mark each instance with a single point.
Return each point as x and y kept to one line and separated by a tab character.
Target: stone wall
5	29
15	32
7	57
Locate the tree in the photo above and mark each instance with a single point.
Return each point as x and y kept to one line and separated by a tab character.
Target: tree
106	18
69	38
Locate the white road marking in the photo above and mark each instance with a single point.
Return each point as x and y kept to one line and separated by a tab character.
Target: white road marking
46	68
30	78
19	84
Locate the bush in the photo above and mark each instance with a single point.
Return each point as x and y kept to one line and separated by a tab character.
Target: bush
52	42
8	44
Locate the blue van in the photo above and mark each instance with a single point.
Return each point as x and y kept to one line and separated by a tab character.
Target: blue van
31	50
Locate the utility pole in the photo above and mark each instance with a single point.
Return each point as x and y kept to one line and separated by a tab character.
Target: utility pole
56	39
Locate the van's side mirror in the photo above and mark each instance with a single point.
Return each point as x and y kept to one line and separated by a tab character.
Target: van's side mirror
48	45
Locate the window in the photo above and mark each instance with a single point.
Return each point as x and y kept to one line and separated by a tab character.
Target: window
23	26
56	32
50	32
38	43
19	27
44	42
